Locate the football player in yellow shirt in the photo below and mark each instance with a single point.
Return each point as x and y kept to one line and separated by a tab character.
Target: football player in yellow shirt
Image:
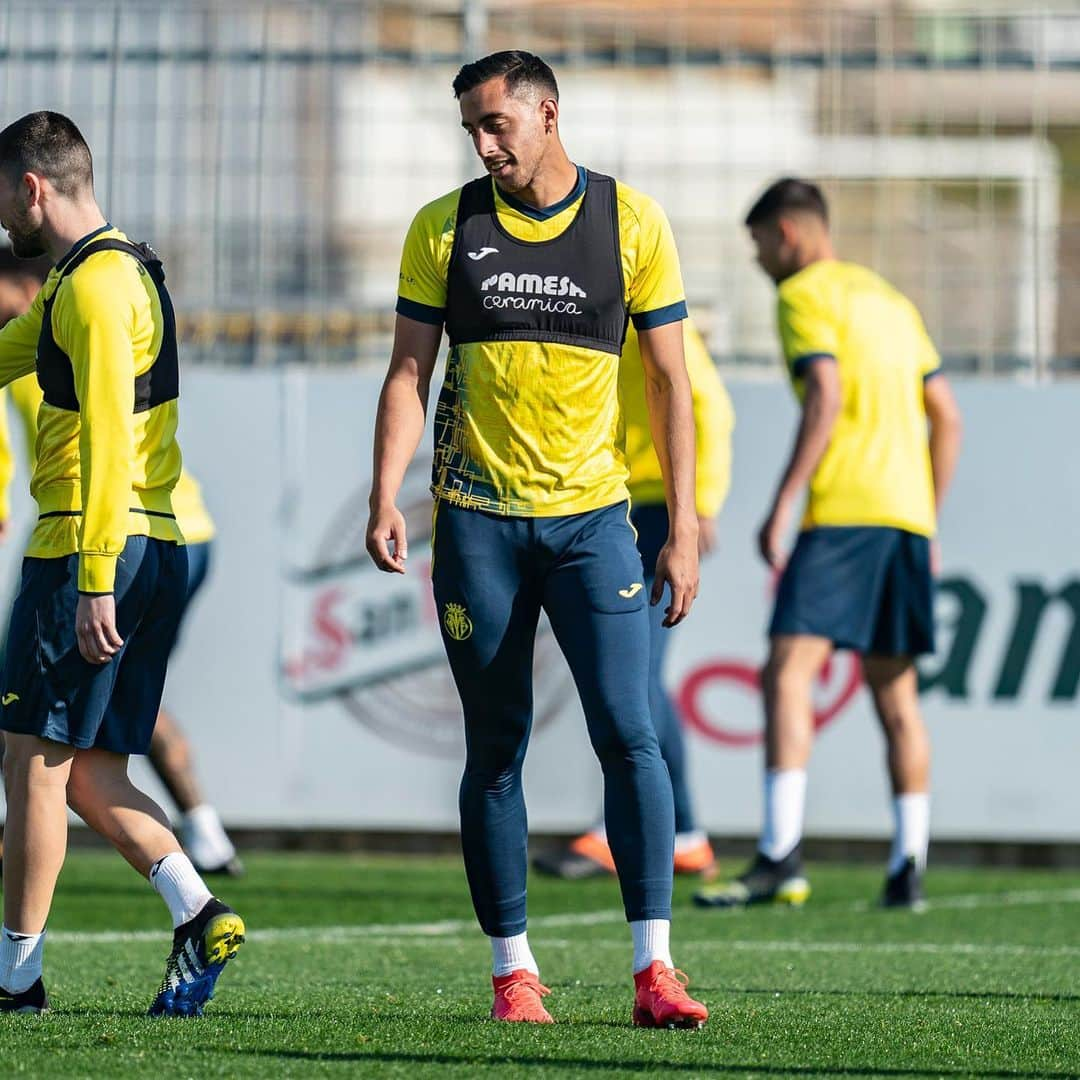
201	831
105	574
869	381
534	270
714	420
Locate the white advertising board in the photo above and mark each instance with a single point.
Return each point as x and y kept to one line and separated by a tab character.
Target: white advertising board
316	694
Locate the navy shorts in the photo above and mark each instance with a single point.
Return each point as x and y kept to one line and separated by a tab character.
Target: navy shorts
50	691
650	521
199	557
865	588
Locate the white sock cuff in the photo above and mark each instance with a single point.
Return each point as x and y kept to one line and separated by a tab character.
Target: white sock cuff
179	885
652	942
20	959
911	835
512	954
785	803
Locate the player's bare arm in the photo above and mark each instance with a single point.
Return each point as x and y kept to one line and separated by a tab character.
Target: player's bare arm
821	406
946	429
671	417
946	432
399	427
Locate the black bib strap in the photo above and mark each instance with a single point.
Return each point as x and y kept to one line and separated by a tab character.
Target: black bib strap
567	290
155	386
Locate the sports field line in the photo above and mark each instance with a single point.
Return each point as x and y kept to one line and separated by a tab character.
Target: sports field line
800	946
449	928
317	934
962	902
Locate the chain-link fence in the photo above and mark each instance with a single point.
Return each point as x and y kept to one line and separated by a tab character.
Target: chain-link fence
276	152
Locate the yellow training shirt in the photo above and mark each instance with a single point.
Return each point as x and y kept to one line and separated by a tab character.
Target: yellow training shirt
876	470
191	513
714	420
535	426
104	472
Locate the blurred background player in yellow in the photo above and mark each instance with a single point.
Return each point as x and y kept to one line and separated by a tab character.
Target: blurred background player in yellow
714	420
860	577
201	831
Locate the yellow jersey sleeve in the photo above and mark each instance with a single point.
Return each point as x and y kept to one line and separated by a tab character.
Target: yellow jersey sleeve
92	320
19	341
929	359
425	261
26	396
714	420
7	459
807	330
654	287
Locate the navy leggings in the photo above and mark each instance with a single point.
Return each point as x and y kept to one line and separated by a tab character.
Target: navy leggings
492	575
651	522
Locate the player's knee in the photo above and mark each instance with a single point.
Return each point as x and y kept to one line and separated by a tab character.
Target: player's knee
629	739
901	720
783	676
494	762
170	750
80	791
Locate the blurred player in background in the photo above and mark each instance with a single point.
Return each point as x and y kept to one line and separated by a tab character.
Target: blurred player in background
535	270
105	576
201	832
861	574
714	421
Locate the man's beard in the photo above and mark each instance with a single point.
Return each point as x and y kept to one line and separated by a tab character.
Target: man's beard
28	246
27	241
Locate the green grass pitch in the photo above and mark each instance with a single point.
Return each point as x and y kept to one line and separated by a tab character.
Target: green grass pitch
372	967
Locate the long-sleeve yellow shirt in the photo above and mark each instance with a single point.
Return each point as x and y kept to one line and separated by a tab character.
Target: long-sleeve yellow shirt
107	459
188	505
714	420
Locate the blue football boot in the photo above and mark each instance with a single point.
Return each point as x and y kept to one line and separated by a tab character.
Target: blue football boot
201	948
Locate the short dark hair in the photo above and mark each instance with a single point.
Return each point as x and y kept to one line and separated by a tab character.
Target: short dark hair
12	266
785	196
50	144
519	69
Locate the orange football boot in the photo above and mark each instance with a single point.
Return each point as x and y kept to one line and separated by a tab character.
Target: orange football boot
590	846
697	859
517	998
661	1000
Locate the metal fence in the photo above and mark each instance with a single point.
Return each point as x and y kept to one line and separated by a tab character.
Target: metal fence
276	152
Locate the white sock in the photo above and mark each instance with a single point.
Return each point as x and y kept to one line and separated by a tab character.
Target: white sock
179	885
652	939
911	838
204	838
512	954
20	960
687	841
785	799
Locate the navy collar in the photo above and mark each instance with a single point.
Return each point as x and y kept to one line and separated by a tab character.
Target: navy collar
74	249
543	213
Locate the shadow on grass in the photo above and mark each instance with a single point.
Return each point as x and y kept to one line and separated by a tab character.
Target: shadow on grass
974	995
625	1066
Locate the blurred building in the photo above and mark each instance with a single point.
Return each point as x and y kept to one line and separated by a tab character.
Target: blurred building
276	151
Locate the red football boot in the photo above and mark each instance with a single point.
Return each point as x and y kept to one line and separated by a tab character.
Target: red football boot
661	999
517	998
